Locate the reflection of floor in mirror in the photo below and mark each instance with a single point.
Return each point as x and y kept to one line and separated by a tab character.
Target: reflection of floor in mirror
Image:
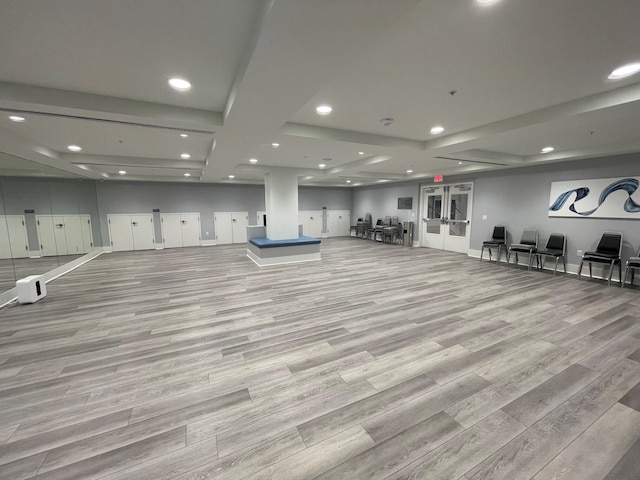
17	268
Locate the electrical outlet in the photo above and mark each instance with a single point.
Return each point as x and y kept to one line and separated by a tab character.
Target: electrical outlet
579	253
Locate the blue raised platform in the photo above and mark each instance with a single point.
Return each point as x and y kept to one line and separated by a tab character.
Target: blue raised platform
265	251
263	242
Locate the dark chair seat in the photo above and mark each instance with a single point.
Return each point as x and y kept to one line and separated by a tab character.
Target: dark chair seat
528	244
498	241
633	264
556	248
607	252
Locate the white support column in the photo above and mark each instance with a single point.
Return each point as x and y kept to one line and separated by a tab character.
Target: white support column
281	200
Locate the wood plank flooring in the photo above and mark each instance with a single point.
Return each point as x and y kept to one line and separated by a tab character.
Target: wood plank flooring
379	362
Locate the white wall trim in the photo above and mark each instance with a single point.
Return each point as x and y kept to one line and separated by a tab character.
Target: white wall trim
12	294
208	243
266	262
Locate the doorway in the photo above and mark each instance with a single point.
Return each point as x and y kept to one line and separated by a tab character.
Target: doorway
446	216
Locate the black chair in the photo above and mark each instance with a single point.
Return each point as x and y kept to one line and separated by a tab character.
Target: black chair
528	244
371	232
362	228
498	240
633	264
556	248
354	228
392	231
607	252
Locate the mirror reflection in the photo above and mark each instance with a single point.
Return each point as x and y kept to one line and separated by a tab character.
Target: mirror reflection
48	217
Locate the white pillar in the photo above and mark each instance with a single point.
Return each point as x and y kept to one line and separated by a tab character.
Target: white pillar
281	200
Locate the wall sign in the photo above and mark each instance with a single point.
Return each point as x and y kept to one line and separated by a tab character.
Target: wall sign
405	203
597	198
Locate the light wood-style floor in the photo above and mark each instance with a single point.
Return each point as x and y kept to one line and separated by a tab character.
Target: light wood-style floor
378	362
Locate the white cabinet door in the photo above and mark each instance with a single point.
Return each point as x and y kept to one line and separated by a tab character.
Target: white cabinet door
239	222
190	228
142	231
333	223
46	236
60	234
120	232
224	231
73	234
171	230
13	235
87	233
311	222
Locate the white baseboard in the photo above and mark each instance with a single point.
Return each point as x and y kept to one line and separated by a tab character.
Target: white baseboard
572	268
208	243
266	262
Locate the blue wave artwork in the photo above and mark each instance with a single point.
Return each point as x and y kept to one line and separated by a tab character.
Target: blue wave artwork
629	185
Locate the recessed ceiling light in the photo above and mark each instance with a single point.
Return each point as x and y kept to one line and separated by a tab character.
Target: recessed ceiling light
625	71
323	109
74	148
321	165
122	172
179	84
486	2
232	176
547	150
275	145
348	181
16	118
409	171
360	153
436	130
184	135
187	174
459	163
185	156
253	160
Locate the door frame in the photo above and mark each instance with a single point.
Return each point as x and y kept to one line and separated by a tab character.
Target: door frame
424	191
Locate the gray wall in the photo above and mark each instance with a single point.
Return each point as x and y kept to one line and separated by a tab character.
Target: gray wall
381	201
518	198
143	197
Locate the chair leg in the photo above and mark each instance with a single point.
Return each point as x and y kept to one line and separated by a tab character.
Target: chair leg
564	263
610	272
556	269
590	272
620	271
580	269
626	272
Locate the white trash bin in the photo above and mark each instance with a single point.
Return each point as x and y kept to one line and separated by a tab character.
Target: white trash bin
31	289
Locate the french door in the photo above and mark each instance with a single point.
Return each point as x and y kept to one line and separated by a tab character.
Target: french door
446	216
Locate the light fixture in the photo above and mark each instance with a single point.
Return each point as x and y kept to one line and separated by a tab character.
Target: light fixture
122	172
253	160
348	181
436	130
185	156
179	84
625	71
184	135
409	171
74	148
321	165
16	118
459	163
360	153
275	145
547	150
232	176
323	109
187	174
486	2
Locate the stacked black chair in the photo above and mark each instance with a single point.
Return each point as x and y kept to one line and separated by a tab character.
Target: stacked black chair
371	232
556	248
607	252
498	240
391	231
633	264
528	244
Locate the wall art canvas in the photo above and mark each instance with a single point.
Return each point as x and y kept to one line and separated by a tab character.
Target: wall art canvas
597	198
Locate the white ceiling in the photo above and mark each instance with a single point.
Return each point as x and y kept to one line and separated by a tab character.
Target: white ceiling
525	74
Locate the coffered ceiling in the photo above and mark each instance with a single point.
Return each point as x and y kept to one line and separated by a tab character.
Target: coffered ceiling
504	78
